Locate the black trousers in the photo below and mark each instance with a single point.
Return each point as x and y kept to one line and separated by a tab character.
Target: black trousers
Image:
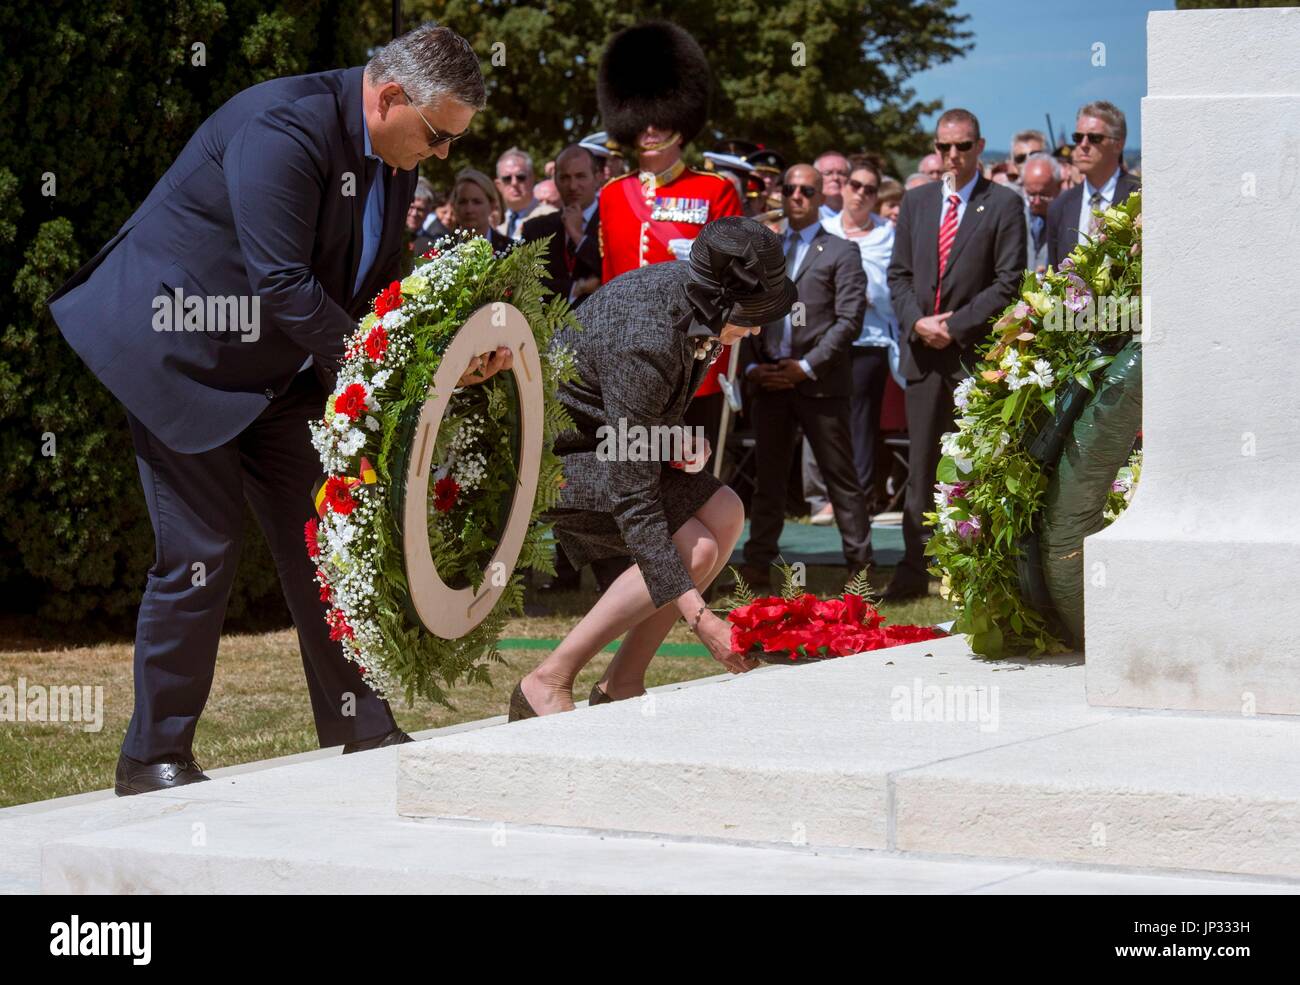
825	421
196	505
870	372
929	414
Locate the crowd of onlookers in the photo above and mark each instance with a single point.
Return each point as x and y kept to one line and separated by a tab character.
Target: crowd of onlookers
901	296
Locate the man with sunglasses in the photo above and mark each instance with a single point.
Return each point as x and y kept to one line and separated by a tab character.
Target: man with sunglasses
1098	154
1024	143
959	253
295	192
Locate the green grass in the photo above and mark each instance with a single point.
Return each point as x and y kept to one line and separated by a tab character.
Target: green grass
258	708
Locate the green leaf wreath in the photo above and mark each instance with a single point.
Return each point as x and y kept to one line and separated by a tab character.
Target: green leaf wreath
364	441
1055	338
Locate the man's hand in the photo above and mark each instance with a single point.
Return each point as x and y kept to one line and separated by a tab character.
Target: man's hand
791	371
487	365
571	215
933	330
769	377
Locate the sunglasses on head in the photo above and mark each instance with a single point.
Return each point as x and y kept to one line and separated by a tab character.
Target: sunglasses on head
808	190
862	187
962	145
1096	139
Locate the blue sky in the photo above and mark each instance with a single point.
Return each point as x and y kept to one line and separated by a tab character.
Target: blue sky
1029	59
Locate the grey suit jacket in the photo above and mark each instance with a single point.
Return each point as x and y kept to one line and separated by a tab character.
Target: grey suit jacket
637	366
833	295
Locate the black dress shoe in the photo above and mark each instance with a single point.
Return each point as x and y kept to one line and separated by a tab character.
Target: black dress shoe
901	591
393	738
133	776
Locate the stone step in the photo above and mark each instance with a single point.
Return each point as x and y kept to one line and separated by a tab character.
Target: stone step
254	849
843	754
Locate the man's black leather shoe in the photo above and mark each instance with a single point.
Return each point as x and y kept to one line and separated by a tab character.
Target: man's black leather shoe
395	737
901	591
134	777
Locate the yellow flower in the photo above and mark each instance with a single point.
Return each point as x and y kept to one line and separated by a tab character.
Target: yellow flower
1041	303
414	284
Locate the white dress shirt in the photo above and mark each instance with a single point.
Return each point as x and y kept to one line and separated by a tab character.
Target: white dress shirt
1085	207
963	193
802	239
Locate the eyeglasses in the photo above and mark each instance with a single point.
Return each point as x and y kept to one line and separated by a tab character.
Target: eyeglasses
808	190
863	188
1020	158
1097	139
439	138
962	146
510	179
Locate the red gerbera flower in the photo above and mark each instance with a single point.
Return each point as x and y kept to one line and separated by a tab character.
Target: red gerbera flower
351	401
339	495
390	299
445	492
310	534
377	344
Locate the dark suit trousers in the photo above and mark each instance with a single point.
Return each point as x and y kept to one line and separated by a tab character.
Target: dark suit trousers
825	422
196	505
929	414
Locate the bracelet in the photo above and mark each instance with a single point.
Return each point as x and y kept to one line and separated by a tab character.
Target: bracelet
696	624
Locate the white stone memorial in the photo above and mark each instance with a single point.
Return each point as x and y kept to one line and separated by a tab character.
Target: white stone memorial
1192	596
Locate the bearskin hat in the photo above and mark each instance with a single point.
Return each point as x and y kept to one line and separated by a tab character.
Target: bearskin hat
653	73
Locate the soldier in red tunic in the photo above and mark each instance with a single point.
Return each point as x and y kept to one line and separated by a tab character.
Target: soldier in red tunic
653	89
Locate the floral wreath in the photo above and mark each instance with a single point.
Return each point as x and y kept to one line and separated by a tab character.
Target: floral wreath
364	441
990	488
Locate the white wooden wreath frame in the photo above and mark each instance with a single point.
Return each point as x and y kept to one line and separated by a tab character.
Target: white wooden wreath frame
447	612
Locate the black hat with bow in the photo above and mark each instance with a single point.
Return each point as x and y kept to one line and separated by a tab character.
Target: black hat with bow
737	275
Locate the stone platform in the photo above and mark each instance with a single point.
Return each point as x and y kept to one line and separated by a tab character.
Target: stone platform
787	779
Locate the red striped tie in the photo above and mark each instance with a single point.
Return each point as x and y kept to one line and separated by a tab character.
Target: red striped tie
947	233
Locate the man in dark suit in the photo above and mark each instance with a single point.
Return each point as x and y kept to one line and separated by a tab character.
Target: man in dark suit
291	200
573	257
1099	134
801	373
959	254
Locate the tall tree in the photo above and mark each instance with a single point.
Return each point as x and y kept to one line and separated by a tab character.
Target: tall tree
799	76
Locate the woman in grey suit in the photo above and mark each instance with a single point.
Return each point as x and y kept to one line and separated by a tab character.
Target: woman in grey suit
648	337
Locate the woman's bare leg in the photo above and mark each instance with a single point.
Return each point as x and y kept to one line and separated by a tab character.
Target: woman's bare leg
626	603
724	516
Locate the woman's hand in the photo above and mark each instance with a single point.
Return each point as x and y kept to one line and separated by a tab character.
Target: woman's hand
715	633
694	459
487	365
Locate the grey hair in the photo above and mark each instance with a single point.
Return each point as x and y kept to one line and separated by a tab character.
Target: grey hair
424	191
429	62
1108	113
1040	155
1026	135
523	155
916	181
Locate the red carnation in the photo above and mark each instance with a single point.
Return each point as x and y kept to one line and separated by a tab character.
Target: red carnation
310	532
390	299
377	344
339	495
445	492
339	627
351	401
